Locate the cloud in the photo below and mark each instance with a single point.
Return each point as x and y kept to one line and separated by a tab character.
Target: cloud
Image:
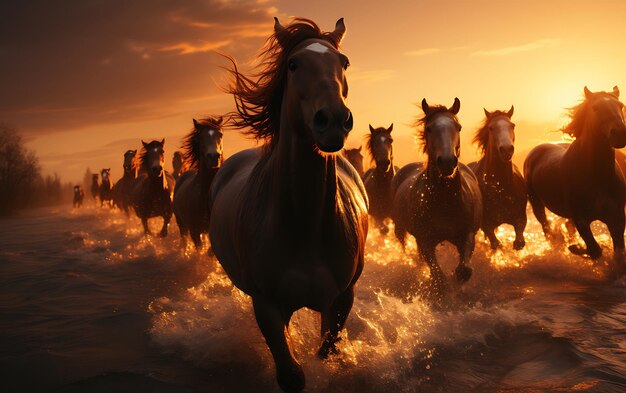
423	52
511	50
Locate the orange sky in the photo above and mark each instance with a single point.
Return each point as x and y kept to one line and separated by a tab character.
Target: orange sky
87	81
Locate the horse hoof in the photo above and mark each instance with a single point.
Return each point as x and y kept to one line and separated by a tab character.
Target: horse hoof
582	251
291	380
518	245
384	230
495	245
463	273
327	349
163	234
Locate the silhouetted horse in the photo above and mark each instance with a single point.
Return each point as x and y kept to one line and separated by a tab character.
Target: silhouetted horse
355	158
583	182
79	195
501	182
152	191
204	153
440	201
95	185
378	179
106	194
179	164
289	219
122	190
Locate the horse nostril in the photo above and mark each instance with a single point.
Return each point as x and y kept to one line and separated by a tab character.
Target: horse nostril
349	122
507	151
321	120
455	161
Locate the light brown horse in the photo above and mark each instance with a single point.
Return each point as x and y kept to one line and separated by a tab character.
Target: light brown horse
378	179
289	219
153	189
355	158
501	182
583	182
440	201
204	152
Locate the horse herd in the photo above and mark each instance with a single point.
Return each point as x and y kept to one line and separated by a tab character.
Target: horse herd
288	220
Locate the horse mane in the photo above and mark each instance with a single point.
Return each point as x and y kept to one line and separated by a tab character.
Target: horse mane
578	115
258	97
481	137
143	155
420	122
191	142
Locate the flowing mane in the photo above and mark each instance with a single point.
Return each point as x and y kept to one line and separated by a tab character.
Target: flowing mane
420	122
191	142
258	97
579	113
481	137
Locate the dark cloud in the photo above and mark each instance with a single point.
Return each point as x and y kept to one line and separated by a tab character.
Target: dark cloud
65	64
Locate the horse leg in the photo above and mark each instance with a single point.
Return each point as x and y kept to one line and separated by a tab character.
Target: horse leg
166	223
616	229
437	277
539	209
183	235
274	323
519	226
491	235
197	241
465	247
333	321
593	249
146	230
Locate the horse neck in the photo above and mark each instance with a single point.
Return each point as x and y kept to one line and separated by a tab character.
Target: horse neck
494	167
130	175
439	184
386	174
595	153
205	175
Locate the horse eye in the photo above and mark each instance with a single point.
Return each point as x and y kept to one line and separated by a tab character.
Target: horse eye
292	66
460	128
346	64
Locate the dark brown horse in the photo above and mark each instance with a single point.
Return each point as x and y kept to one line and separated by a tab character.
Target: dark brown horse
583	182
501	182
95	185
79	195
378	179
179	165
105	193
204	152
440	201
123	188
153	189
355	158
289	219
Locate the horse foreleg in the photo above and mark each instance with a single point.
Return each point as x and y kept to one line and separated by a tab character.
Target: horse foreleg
436	274
274	323
519	227
616	229
197	241
333	321
539	209
465	248
491	235
592	249
146	230
166	223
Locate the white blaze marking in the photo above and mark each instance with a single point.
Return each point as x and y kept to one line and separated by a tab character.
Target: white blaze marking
317	47
382	138
211	132
156	150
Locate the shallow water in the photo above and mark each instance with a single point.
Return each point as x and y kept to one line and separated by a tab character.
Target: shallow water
88	304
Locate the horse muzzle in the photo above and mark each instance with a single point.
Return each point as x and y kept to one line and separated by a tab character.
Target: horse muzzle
156	170
447	165
331	128
617	137
506	152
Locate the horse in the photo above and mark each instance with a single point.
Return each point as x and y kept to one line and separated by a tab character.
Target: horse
355	158
289	219
378	180
583	182
204	152
179	164
122	189
501	183
79	195
105	193
441	200
95	185
152	191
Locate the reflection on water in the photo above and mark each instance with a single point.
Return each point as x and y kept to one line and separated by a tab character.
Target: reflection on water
97	305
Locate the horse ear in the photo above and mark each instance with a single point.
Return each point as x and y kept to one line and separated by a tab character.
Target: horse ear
359	149
456	106
425	107
162	141
372	129
135	151
109	170
487	113
340	31
144	143
390	128
220	120
510	112
616	91
279	32
195	123
588	92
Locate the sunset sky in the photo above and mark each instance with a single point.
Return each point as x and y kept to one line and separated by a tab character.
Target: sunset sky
86	80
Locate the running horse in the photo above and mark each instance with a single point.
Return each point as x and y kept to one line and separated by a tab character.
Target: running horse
441	200
95	186
501	182
152	191
355	158
583	182
378	179
105	193
204	152
122	189
289	219
79	195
